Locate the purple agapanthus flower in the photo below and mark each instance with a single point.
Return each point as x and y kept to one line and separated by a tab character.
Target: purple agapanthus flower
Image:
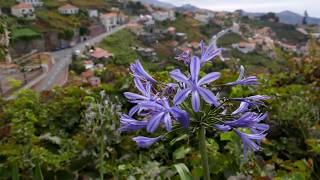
146	92
209	53
161	111
253	100
194	86
242	80
249	141
138	71
130	124
145	142
185	57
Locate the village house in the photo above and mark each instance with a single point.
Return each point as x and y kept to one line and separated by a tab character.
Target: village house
93	13
109	20
204	17
99	53
24	10
147	53
68	9
88	64
164	15
35	3
245	47
135	28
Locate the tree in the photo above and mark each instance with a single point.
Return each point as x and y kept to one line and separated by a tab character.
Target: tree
305	18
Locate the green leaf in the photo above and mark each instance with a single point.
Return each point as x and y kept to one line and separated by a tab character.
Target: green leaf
15	172
226	136
183	171
184	136
38	172
181	152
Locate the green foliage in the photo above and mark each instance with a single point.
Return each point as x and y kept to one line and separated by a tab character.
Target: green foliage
24	34
120	45
229	39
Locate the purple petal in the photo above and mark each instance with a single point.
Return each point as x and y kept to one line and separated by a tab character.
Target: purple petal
130	124
209	78
168	122
222	127
211	54
195	101
248	139
195	68
243	107
140	86
138	71
154	122
181	96
181	116
145	142
134	96
178	76
208	96
134	109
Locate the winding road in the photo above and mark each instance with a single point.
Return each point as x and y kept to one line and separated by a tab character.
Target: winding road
64	57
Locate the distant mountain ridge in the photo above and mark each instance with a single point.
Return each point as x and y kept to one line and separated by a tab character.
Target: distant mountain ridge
287	17
157	3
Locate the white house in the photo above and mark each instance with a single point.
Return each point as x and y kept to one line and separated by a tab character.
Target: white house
245	47
93	13
109	20
164	15
204	17
23	10
68	9
35	3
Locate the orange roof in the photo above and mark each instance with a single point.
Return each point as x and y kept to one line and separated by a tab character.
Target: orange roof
110	14
87	74
87	62
8	66
68	6
100	53
22	6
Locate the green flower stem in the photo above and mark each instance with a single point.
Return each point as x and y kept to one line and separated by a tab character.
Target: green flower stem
101	155
203	152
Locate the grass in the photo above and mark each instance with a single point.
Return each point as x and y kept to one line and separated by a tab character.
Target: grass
229	39
7	3
24	34
120	45
187	25
56	21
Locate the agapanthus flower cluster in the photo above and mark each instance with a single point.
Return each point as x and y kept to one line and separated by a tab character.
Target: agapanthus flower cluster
164	105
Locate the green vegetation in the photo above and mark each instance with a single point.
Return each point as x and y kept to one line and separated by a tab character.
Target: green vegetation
120	45
56	21
7	3
228	39
24	34
187	25
283	32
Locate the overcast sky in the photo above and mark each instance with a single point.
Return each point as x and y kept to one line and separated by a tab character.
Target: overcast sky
299	6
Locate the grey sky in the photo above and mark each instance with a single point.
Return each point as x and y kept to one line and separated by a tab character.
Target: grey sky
312	6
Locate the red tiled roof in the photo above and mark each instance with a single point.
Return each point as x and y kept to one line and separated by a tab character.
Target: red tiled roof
68	6
22	6
110	14
87	74
100	53
8	66
88	62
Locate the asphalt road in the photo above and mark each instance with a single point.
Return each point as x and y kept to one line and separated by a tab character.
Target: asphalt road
64	57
